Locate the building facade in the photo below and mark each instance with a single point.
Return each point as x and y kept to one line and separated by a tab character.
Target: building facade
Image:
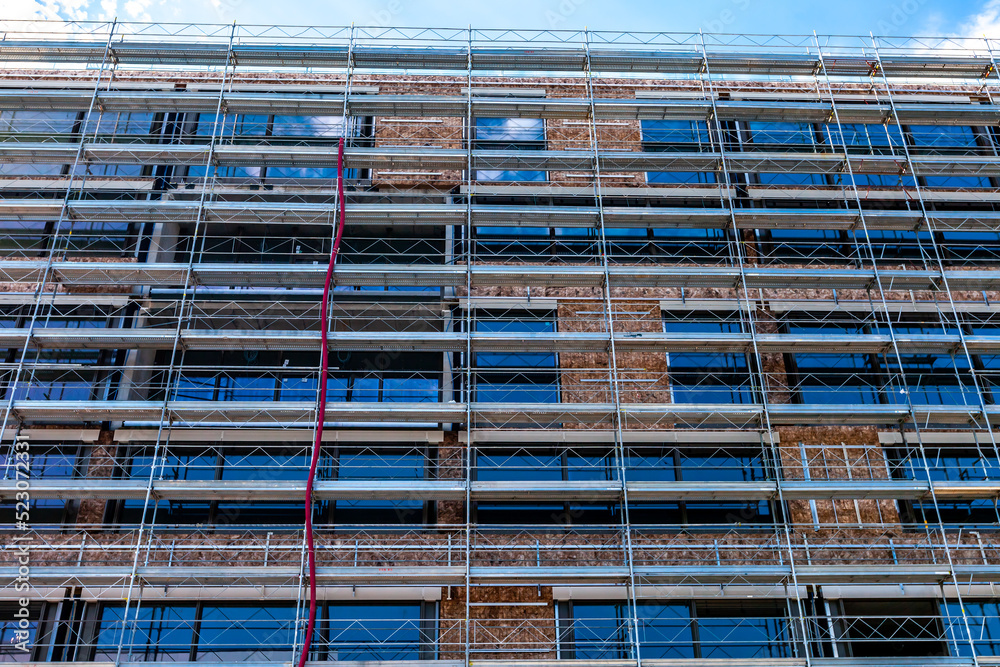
652	348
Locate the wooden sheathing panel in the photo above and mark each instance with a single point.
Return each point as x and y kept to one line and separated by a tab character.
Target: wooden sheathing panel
643	376
772	364
444	132
604	87
451	465
102	465
835	453
418	132
506	622
577	134
585	376
53	286
252	547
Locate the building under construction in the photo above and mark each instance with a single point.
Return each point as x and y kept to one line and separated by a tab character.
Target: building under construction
644	348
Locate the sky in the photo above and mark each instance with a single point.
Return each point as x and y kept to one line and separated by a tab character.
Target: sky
967	18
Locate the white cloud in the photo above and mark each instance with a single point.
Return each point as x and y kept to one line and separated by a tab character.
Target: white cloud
138	10
45	10
109	10
986	22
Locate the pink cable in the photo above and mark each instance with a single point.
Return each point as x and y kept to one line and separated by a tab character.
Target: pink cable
321	411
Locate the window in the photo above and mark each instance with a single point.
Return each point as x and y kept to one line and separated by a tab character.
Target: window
943	140
161	633
981	514
700	377
527	464
706	629
540	463
250	375
887	629
281	130
509	134
883	139
515	377
65	374
807	246
954	140
983	617
705	516
93	238
134	126
839	378
33	125
780	137
677	136
215	632
729	463
48	461
11	634
531	242
938	379
276	462
818	322
643	463
947	463
803	246
124	127
969	248
930	379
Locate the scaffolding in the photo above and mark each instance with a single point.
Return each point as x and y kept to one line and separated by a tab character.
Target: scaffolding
660	348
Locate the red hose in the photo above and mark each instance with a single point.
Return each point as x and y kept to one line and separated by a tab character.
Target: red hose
321	410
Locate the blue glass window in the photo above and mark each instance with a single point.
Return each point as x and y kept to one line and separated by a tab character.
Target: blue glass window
983	617
958	248
840	378
42	124
677	136
864	138
214	632
375	632
506	134
937	379
151	633
885	629
526	377
699	377
955	140
135	125
12	634
679	630
943	139
784	137
688	463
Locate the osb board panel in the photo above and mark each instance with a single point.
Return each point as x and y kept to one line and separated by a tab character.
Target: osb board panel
446	132
510	625
829	545
565	86
451	465
837	453
102	465
772	363
62	288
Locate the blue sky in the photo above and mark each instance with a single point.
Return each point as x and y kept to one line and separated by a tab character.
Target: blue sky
900	17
